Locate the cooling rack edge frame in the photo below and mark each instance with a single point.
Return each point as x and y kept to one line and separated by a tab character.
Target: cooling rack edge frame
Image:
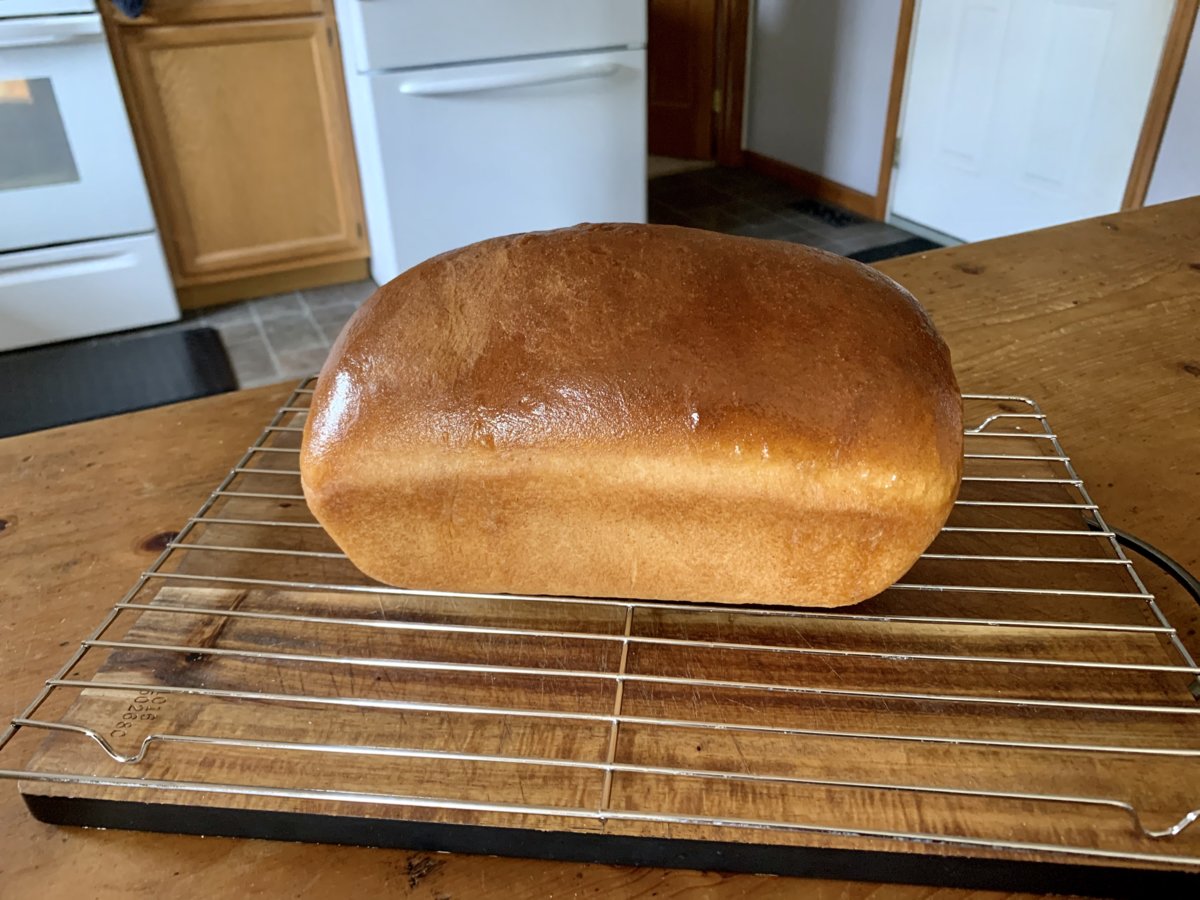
881	866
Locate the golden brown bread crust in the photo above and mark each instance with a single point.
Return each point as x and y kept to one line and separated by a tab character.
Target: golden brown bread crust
640	411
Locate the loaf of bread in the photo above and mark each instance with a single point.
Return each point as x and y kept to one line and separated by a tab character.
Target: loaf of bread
637	411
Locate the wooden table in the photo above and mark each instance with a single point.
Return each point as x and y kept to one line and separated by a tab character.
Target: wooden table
1098	320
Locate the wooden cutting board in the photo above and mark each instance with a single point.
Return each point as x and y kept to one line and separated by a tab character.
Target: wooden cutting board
1014	698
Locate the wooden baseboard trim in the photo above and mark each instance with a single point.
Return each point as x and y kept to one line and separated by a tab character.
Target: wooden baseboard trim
812	184
200	295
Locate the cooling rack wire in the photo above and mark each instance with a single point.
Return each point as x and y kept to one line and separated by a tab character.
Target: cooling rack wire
1018	692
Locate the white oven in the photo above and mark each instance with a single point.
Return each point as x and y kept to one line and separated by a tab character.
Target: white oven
79	252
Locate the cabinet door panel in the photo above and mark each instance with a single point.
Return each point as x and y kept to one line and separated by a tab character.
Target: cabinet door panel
246	144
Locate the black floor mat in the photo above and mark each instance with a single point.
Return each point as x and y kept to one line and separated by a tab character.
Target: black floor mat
830	215
899	248
80	380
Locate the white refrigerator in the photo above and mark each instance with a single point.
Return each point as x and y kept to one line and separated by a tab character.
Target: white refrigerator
474	119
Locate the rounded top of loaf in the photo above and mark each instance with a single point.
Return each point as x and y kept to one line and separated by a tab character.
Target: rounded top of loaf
646	341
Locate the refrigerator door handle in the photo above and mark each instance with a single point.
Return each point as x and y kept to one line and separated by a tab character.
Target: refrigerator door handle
434	86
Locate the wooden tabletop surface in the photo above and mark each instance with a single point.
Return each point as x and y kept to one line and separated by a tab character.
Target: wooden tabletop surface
1097	320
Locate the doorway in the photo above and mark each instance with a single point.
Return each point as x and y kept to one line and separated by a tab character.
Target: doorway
696	77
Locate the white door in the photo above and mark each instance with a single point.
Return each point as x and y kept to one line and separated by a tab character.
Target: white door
68	167
473	152
1019	114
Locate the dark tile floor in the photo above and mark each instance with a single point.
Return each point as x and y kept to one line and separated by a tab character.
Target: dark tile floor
288	336
738	201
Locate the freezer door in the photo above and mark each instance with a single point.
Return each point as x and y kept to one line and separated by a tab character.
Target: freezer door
395	34
58	293
472	152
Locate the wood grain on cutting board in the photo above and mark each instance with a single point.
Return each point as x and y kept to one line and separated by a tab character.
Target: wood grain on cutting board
1097	320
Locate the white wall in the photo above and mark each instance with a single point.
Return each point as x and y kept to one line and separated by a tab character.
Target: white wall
820	71
1177	172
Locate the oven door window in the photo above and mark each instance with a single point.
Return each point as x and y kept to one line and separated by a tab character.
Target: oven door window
34	150
68	168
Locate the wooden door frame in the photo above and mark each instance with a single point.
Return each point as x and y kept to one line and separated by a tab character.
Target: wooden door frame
1158	108
891	127
731	37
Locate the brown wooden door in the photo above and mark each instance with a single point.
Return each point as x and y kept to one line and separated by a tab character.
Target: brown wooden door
682	77
246	144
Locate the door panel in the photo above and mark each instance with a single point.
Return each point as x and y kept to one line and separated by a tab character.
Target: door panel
1070	81
246	144
971	87
681	51
1020	114
477	151
414	33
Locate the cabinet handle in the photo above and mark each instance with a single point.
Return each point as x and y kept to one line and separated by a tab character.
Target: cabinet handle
474	84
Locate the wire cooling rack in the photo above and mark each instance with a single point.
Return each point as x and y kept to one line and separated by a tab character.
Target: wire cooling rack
1017	696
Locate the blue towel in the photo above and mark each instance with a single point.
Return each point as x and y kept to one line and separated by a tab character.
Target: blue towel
131	8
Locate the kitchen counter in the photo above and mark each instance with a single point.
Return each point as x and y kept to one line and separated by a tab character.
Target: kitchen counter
1097	320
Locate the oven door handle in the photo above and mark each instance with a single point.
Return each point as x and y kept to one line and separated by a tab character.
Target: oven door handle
40	31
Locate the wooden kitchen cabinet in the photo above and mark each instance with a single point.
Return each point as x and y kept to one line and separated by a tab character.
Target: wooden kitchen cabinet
243	129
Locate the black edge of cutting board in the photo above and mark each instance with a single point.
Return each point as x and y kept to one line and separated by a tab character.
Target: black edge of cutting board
621	850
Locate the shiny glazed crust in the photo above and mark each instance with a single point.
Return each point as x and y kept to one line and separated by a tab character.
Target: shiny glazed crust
637	411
